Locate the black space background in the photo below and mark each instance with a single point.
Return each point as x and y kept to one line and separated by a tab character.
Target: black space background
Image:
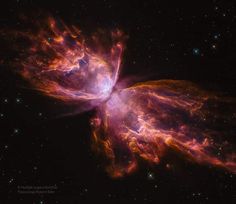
38	148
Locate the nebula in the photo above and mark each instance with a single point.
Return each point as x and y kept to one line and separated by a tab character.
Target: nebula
141	121
60	64
147	119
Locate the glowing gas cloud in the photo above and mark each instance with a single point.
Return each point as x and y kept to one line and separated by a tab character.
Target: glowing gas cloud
138	122
60	64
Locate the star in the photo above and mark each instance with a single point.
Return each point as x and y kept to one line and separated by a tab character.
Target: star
216	36
11	180
18	100
16	131
196	51
150	176
213	46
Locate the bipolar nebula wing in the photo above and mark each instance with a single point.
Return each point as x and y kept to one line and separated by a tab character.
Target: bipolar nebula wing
64	64
147	119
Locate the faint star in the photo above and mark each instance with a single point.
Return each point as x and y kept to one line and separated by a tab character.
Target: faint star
16	131
18	100
196	51
213	46
150	176
216	36
11	180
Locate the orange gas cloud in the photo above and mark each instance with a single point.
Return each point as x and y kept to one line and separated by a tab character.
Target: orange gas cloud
61	64
139	122
147	119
